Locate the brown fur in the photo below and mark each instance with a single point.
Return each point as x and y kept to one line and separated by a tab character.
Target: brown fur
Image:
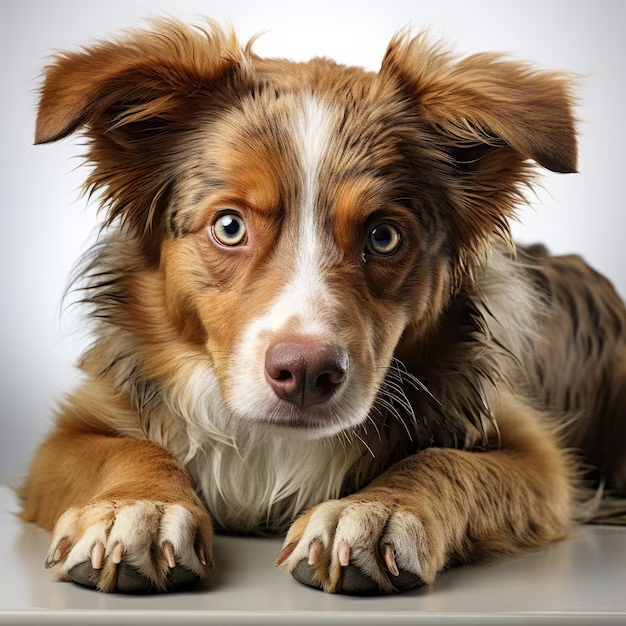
452	490
584	342
182	123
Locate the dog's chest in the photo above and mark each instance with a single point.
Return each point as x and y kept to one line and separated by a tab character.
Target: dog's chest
264	488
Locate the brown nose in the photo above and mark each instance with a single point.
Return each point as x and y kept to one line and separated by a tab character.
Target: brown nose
304	371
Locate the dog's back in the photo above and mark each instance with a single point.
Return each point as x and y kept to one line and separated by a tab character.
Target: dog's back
577	367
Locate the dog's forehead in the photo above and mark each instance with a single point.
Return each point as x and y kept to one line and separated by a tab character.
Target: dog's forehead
281	142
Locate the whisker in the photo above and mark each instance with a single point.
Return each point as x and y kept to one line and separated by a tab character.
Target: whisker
403	400
395	413
371	419
363	442
398	370
417	384
403	405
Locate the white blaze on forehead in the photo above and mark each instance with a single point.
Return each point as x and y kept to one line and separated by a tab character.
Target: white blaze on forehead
313	126
312	134
305	294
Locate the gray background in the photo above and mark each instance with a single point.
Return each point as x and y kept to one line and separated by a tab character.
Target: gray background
44	225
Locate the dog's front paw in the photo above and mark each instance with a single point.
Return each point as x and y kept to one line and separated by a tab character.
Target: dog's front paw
364	548
133	546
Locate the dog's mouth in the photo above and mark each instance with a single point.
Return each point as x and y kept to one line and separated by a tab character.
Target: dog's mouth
321	407
315	418
306	385
312	385
353	402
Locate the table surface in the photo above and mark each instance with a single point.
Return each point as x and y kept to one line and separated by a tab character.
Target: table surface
578	580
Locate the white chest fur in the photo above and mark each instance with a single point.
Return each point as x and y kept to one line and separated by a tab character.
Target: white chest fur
266	485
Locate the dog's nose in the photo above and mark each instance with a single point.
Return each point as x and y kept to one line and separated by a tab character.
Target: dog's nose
305	371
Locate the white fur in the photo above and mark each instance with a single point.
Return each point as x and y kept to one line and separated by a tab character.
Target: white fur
267	483
367	527
406	535
140	527
251	476
514	306
82	545
178	526
313	128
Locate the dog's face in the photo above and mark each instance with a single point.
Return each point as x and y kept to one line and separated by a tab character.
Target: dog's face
297	246
303	218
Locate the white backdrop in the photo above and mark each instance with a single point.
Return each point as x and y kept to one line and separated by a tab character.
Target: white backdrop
44	225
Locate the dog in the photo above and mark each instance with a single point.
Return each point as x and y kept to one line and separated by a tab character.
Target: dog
309	317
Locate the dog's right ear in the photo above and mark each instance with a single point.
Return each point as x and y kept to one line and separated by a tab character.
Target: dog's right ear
134	97
135	77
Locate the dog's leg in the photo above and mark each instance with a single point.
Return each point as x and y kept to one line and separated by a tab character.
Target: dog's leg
436	507
124	512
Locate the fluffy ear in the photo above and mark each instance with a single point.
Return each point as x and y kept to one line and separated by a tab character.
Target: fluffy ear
486	98
134	77
487	118
134	98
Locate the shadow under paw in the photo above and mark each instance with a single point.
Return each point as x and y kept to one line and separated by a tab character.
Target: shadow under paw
130	580
354	582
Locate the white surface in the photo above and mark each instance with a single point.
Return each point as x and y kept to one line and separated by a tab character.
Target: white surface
583	578
44	224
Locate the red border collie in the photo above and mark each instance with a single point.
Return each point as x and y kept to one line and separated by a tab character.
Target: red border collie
308	316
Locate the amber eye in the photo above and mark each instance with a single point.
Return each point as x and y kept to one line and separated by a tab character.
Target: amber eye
383	240
229	229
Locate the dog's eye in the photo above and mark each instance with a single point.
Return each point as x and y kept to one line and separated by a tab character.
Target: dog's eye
229	229
383	239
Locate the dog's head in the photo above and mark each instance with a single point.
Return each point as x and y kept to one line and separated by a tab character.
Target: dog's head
300	219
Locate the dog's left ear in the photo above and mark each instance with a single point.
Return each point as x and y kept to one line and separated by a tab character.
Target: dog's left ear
487	118
486	98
